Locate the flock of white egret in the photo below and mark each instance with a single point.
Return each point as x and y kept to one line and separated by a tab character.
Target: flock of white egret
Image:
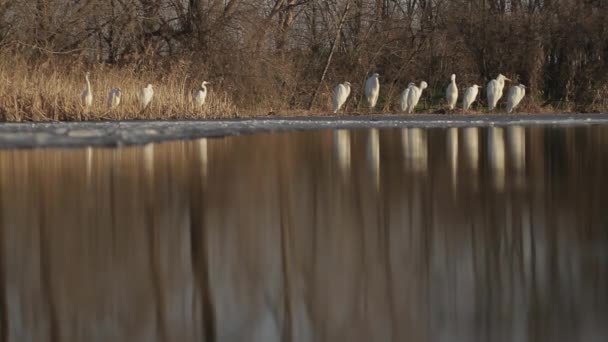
407	102
146	95
411	95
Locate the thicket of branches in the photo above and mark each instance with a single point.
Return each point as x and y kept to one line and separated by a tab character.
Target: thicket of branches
272	53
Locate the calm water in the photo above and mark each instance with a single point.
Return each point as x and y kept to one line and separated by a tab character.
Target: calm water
472	234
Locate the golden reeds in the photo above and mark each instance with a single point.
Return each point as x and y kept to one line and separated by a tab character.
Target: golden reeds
51	91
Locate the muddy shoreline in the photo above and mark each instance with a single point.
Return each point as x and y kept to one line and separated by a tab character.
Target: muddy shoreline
125	133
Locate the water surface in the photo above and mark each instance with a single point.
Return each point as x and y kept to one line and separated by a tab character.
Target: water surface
460	234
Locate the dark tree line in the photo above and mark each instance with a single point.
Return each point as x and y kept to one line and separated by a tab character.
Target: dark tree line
274	51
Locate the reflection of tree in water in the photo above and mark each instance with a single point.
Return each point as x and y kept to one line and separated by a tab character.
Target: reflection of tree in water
267	238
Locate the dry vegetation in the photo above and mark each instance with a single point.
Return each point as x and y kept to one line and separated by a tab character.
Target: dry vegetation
269	55
51	91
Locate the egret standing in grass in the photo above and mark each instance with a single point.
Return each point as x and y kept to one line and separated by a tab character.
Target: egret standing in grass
451	93
470	95
86	98
341	92
146	95
200	95
494	90
114	97
413	96
516	94
403	98
372	90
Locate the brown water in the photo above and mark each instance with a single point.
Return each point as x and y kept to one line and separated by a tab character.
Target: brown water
473	234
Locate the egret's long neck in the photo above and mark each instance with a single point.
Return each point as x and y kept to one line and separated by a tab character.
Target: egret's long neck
88	83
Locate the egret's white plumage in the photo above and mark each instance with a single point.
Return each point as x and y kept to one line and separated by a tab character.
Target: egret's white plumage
516	94
86	98
114	97
146	95
200	95
470	95
341	92
372	90
451	93
494	90
403	98
413	96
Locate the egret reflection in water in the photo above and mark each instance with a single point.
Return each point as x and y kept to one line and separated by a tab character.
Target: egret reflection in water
202	154
373	155
470	137
267	238
496	156
452	151
414	145
342	148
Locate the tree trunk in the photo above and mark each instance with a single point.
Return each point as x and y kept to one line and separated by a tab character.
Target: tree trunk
331	53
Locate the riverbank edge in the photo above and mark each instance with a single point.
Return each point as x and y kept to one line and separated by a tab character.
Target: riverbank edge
128	133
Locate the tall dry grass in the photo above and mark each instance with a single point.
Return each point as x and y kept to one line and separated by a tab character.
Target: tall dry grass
51	91
48	88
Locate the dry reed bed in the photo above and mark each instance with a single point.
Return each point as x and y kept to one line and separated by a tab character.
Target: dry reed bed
51	91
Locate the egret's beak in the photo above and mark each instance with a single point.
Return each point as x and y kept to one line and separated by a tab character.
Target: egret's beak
508	79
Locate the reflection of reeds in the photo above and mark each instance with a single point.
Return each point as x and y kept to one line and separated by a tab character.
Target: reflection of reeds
51	91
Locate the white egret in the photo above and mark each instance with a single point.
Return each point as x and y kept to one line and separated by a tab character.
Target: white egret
341	92
414	96
86	98
403	98
494	90
372	90
200	95
516	94
470	95
114	97
146	95
451	93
